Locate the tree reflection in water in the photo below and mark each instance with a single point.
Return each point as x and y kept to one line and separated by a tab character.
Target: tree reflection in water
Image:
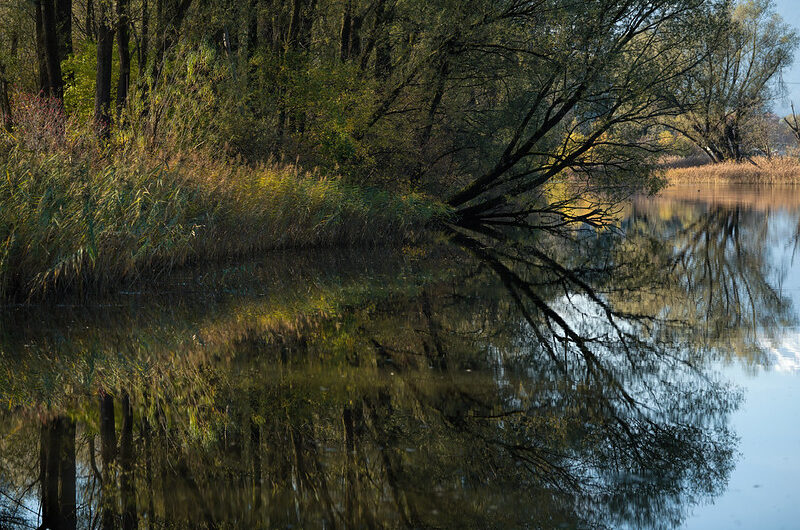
537	382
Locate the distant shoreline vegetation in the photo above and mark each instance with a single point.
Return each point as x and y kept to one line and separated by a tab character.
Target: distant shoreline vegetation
782	170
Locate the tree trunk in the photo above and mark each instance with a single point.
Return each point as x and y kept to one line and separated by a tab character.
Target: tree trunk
6	120
733	141
177	13
169	19
154	62
48	454
123	50
435	102
355	36
91	34
108	454
102	91
41	55
159	26
427	130
294	24
144	43
126	463
370	45
252	29
383	50
344	35
67	475
276	32
51	49
64	27
306	25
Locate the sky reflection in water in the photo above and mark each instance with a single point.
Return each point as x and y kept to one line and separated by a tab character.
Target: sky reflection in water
762	490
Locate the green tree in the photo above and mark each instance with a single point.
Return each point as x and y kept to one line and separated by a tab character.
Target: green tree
745	50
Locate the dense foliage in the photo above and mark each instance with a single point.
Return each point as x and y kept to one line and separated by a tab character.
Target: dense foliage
456	97
503	110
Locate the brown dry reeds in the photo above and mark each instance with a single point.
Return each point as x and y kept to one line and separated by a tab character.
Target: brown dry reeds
758	170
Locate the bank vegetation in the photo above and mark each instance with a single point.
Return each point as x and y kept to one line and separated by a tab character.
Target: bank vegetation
139	135
754	170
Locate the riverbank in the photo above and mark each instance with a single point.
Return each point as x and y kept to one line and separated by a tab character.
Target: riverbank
759	170
71	223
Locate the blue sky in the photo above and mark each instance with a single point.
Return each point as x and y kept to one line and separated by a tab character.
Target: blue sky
790	11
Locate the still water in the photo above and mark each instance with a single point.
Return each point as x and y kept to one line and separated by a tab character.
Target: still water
641	376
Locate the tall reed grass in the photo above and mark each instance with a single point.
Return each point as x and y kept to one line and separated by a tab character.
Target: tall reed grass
86	222
761	170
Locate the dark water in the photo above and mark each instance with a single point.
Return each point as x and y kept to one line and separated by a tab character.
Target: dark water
636	377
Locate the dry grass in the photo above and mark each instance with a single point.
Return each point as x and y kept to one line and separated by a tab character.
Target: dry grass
78	213
89	224
778	170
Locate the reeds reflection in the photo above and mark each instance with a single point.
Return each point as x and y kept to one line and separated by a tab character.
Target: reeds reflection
536	381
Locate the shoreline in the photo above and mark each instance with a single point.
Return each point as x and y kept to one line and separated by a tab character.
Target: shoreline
78	227
761	170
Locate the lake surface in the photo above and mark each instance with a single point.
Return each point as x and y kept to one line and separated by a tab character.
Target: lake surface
646	375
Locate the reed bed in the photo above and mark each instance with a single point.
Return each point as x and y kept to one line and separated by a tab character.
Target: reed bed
70	223
760	170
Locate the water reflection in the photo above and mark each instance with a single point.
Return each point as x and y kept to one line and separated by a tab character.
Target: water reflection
726	250
548	381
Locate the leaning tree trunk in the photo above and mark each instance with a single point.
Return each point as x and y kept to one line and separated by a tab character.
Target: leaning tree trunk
427	130
794	124
344	34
